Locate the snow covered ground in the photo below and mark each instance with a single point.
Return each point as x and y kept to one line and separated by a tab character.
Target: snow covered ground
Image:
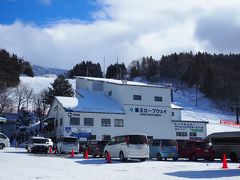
17	164
186	98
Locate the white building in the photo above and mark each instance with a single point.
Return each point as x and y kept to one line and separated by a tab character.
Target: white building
104	107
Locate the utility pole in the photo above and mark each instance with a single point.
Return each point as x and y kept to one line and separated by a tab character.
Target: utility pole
104	67
196	94
237	108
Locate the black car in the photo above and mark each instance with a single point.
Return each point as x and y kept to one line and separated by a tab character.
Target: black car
95	148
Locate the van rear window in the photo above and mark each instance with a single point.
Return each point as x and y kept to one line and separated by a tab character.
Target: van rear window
169	142
69	139
137	139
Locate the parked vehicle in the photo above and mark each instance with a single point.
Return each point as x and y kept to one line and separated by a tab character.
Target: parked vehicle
163	149
82	146
37	144
134	146
194	150
49	142
67	144
4	141
95	148
225	142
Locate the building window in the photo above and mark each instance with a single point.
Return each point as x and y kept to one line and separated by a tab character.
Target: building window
75	121
92	137
88	121
61	122
191	134
158	98
137	97
181	133
172	113
109	93
106	122
118	122
106	137
56	123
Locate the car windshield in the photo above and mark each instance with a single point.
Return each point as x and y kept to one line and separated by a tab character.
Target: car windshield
70	140
39	140
202	145
137	139
169	142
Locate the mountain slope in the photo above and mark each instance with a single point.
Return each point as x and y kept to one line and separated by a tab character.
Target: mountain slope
39	70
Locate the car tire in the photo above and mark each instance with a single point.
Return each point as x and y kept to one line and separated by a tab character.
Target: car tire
159	157
143	159
193	157
105	155
121	156
175	159
2	146
233	157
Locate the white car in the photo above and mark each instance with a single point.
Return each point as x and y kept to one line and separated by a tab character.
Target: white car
38	144
134	146
49	142
4	141
67	144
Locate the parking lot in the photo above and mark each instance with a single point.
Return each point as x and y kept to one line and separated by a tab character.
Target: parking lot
18	164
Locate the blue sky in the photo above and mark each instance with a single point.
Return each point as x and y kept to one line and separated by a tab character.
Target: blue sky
62	33
42	12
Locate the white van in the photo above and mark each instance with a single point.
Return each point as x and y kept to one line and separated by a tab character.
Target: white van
4	141
67	144
134	146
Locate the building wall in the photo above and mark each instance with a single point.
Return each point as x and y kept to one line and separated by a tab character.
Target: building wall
177	114
97	129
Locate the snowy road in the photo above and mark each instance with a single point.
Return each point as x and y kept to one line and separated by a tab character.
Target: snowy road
16	164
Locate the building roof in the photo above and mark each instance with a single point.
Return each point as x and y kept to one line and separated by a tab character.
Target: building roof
120	82
90	101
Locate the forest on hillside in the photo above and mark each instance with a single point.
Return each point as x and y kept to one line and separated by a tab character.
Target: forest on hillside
218	76
11	67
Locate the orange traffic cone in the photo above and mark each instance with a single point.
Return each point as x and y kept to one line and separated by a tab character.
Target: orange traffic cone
86	154
50	149
225	166
72	153
108	158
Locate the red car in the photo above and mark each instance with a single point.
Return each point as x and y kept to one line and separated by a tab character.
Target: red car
194	150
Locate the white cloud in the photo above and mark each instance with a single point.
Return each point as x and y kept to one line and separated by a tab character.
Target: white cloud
124	29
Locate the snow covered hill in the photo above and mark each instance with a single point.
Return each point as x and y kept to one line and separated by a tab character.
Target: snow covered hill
184	97
39	70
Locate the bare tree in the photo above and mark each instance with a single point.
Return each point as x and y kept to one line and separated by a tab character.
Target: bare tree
6	100
40	106
23	94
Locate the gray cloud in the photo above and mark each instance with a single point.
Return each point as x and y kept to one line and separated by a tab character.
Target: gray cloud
127	30
220	32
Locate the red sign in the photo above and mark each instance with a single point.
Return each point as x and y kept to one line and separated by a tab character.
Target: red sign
229	123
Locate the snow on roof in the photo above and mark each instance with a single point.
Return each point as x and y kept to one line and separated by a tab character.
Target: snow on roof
115	81
173	106
2	119
91	101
